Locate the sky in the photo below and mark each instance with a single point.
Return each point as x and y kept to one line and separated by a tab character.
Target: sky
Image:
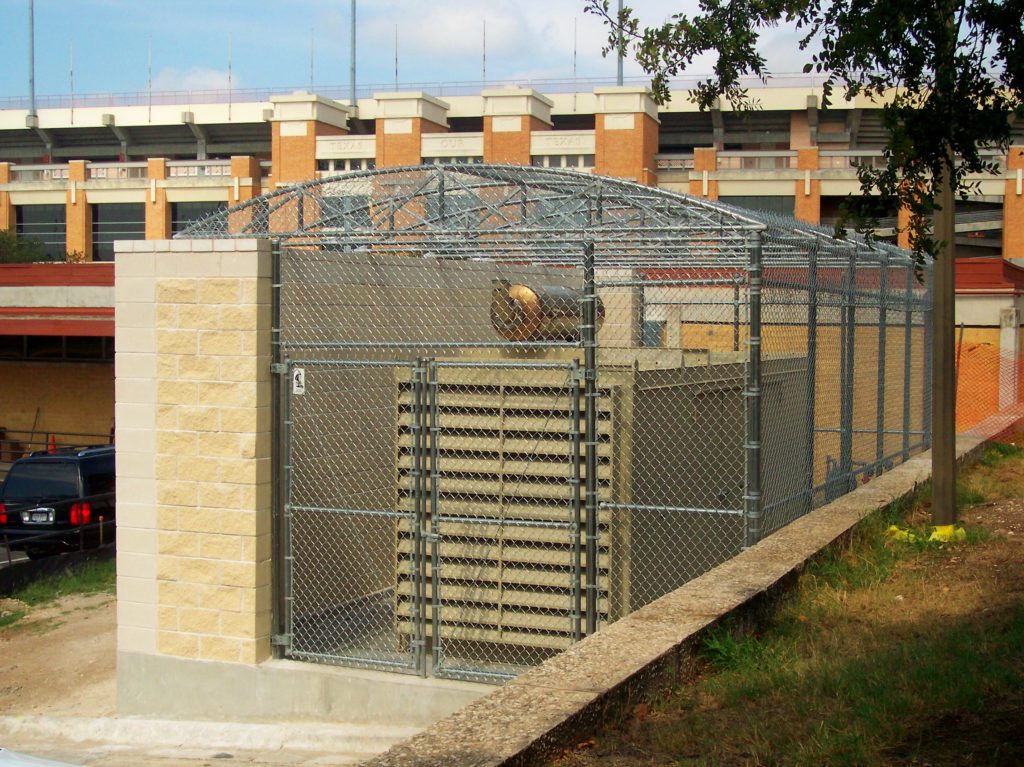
108	44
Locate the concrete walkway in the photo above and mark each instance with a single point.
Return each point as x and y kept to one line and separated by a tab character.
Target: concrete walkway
128	742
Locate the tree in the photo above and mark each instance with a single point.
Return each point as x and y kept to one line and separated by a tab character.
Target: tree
949	76
19	250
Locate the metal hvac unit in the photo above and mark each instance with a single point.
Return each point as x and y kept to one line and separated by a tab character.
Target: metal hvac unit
498	492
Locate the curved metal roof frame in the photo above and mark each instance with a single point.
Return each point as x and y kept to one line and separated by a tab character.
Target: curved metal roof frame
522	212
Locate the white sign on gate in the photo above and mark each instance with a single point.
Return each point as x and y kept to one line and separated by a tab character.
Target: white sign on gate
298	380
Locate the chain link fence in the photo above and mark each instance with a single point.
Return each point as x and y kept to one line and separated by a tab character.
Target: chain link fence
516	404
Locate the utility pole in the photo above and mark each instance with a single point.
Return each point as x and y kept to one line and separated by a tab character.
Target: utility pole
618	76
32	120
352	61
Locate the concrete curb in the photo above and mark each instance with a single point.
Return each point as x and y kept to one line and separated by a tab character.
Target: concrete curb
567	697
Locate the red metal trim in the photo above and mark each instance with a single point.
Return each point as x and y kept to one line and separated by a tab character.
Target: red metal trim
57	311
98	274
63	327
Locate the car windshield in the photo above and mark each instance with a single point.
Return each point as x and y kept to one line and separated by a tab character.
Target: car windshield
49	480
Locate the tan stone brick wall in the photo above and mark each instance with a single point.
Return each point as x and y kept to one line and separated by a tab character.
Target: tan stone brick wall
206	545
71	397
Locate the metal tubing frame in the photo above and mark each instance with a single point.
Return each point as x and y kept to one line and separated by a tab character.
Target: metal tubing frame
752	446
883	292
812	371
847	342
281	468
435	518
588	336
577	506
908	336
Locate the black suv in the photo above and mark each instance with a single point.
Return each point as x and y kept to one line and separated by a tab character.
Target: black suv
58	501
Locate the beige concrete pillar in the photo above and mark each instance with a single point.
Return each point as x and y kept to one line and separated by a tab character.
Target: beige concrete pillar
1009	359
705	165
297	121
8	220
626	133
402	119
193	436
511	115
1013	204
808	187
79	214
158	210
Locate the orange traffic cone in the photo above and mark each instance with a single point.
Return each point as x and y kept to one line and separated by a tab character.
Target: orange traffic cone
52	447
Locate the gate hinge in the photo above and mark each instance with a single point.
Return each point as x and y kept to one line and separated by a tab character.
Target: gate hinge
278	368
281	640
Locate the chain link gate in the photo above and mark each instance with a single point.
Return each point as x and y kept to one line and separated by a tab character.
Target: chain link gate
432	514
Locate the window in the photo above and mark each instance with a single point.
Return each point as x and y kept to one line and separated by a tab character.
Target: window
573	161
116	221
785	206
45	223
346	166
652	333
185	213
57	348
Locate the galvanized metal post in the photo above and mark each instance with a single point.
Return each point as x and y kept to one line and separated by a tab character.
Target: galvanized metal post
752	445
812	371
588	336
419	518
577	506
435	525
908	337
736	315
281	563
847	345
883	297
928	320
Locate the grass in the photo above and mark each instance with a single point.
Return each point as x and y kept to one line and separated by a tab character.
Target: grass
884	653
93	577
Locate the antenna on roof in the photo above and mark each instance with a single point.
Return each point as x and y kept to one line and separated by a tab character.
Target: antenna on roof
71	77
312	57
573	63
396	57
149	78
485	50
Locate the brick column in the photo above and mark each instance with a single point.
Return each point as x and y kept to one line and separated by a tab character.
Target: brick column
158	210
193	435
626	134
402	119
79	214
297	121
1013	204
902	222
8	220
245	184
510	117
705	165
808	187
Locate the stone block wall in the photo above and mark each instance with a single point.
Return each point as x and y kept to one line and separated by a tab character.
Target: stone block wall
193	419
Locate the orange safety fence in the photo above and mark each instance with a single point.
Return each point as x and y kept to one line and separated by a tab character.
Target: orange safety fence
988	381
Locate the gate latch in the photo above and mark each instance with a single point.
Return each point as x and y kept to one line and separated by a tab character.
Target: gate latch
278	368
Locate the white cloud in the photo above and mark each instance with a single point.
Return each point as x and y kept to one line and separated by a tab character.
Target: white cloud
192	79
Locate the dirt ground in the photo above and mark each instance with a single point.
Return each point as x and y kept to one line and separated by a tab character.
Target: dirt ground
59	660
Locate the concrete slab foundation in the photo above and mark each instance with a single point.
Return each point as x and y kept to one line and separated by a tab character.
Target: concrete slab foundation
177	688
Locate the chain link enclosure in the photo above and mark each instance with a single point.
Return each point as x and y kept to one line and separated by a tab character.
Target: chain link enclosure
516	404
